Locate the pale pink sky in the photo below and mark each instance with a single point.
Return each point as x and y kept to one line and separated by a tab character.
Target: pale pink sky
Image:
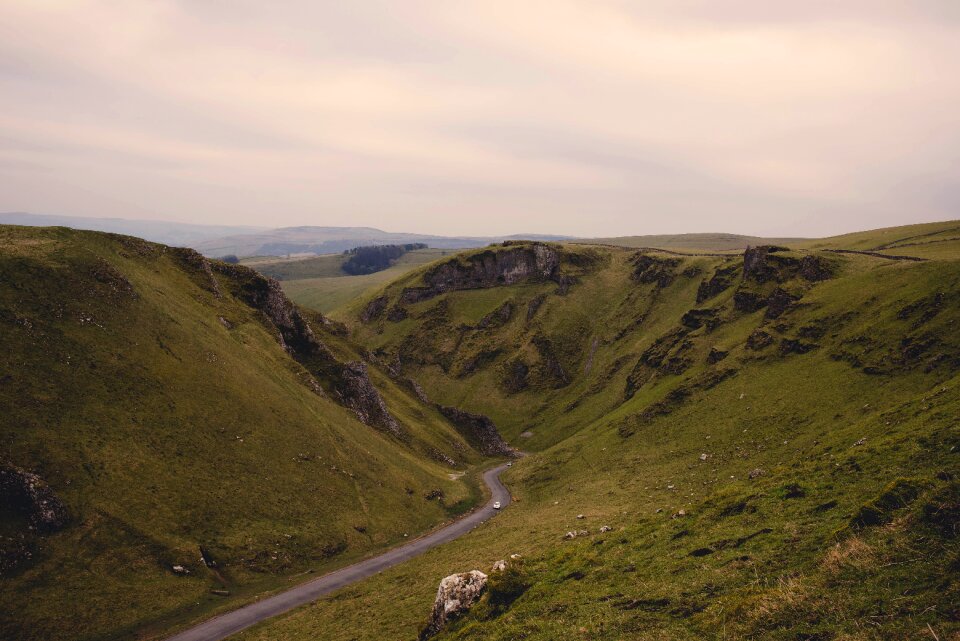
587	118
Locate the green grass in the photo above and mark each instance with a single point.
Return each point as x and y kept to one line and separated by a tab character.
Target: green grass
325	266
861	424
825	507
167	417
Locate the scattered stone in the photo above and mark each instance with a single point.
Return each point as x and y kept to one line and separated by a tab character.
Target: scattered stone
583	533
605	528
570	535
860	442
716	355
790	346
499	566
581	516
207	559
704	456
220	592
758	340
679	514
457	594
755	473
397	314
179	569
515	557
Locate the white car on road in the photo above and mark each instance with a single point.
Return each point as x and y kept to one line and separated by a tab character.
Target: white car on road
496	505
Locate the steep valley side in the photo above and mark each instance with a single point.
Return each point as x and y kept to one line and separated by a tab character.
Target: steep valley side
771	438
178	437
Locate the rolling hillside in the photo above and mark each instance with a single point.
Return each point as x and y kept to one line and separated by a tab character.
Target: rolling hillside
178	437
690	243
771	438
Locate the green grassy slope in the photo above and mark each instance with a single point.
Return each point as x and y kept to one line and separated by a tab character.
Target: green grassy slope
162	410
927	240
780	464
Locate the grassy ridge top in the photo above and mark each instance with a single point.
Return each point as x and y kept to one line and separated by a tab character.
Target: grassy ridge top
703	242
772	438
165	414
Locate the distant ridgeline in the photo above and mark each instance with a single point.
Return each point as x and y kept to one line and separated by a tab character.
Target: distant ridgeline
375	258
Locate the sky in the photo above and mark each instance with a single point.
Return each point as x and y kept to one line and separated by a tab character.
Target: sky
586	118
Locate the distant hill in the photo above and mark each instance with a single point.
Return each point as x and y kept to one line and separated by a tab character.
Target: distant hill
245	241
691	243
158	231
334	240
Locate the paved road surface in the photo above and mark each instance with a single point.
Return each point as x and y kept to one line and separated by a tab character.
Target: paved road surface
224	625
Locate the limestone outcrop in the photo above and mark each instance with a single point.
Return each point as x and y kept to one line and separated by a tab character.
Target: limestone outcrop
457	594
25	493
478	430
490	268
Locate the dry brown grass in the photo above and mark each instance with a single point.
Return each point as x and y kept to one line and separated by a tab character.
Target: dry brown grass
851	553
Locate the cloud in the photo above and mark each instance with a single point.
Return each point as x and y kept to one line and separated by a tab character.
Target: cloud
592	118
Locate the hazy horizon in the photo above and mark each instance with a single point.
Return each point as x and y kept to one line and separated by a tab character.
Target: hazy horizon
585	119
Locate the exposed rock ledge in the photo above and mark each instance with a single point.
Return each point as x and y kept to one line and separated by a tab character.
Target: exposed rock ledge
478	430
490	268
349	383
356	391
25	493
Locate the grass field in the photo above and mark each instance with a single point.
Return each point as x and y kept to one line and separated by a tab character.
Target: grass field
785	472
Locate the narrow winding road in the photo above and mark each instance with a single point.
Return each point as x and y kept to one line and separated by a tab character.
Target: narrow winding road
224	625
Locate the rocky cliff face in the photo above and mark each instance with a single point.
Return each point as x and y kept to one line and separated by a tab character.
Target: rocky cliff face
652	269
28	495
265	294
348	383
490	268
765	269
763	264
355	390
478	430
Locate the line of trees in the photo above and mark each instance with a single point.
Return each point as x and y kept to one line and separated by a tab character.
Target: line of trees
375	258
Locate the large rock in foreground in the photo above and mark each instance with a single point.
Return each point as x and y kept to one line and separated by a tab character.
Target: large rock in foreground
456	595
